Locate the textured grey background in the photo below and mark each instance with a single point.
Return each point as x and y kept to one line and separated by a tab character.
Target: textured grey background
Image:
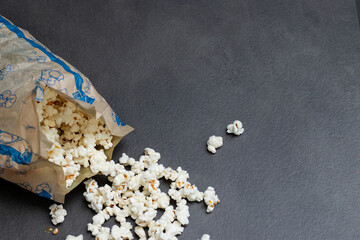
180	71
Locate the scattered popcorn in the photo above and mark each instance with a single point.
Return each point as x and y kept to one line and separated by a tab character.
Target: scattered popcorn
70	237
78	139
236	128
205	237
57	213
213	143
136	193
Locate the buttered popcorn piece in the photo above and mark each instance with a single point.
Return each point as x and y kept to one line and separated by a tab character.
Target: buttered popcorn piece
213	143
210	199
136	193
57	213
78	139
236	128
70	237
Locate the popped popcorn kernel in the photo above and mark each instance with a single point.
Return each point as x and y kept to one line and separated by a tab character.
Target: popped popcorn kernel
57	213
236	128
205	237
70	237
210	199
213	143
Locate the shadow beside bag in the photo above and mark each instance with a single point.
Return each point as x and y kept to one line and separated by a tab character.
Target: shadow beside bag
26	67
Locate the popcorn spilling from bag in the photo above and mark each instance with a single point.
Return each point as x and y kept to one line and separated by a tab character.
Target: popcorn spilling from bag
135	192
78	140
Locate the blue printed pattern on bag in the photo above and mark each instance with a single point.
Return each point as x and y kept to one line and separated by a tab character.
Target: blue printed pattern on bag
50	77
43	190
25	185
117	119
36	58
7	148
79	94
25	170
4	70
7	99
2	34
87	86
9	163
29	127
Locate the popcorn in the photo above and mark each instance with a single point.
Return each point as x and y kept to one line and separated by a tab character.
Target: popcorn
78	139
136	193
140	232
172	229
182	177
211	199
182	212
126	160
236	128
70	237
57	213
104	234
163	200
123	232
174	194
192	193
205	237
213	143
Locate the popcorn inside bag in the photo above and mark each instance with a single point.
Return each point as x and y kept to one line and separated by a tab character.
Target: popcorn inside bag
79	140
55	128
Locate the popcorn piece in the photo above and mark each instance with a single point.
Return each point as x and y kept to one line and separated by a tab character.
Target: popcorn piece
213	143
140	232
104	234
123	232
57	213
70	237
211	199
126	160
182	212
192	193
174	194
205	237
236	128
163	200
56	231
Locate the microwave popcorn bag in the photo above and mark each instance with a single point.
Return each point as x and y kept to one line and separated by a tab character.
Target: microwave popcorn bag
26	68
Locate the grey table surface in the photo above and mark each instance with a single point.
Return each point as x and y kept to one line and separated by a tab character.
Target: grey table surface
180	71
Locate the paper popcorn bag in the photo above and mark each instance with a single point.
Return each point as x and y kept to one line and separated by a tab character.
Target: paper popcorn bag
26	68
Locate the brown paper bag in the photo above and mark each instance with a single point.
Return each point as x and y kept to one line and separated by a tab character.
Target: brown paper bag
25	67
